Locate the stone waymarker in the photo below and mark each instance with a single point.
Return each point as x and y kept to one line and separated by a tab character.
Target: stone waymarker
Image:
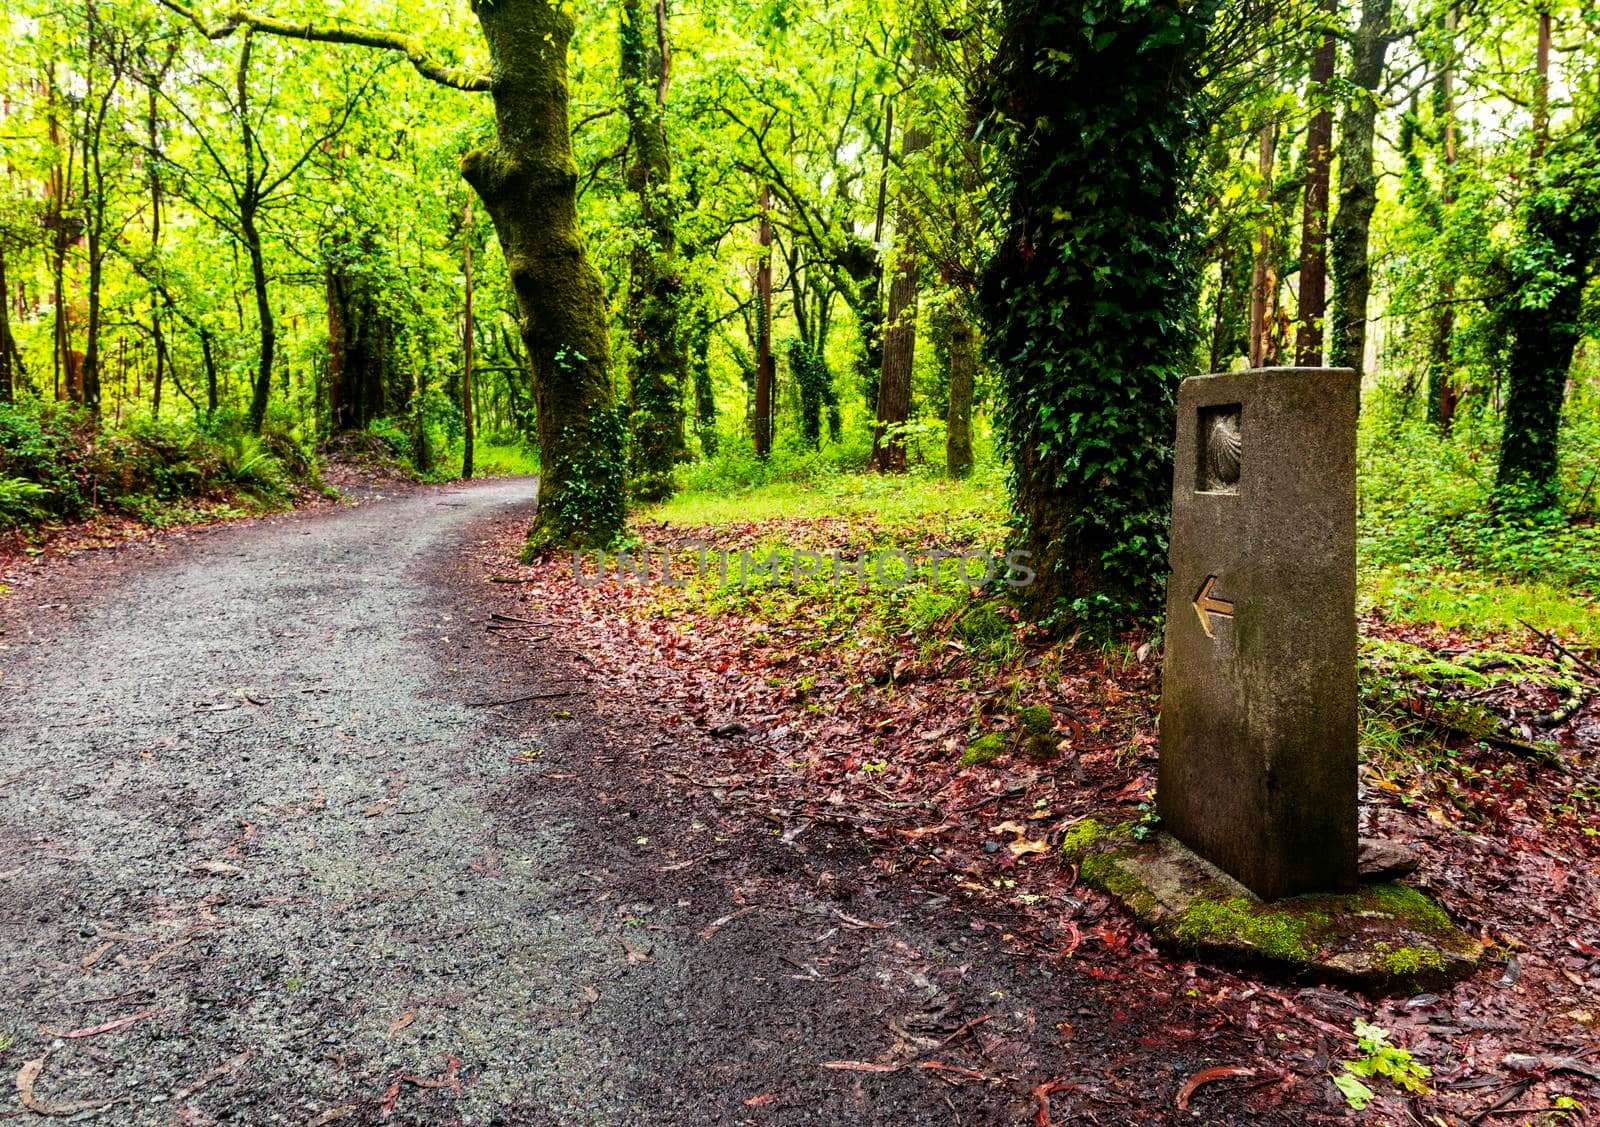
1258	703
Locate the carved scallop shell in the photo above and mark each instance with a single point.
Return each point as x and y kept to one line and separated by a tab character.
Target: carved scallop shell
1223	443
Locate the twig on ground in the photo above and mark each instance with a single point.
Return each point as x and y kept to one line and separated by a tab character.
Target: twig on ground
517	700
1551	641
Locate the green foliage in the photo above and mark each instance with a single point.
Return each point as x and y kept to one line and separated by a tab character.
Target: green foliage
60	465
1439	542
1090	299
51	445
21	501
1379	1058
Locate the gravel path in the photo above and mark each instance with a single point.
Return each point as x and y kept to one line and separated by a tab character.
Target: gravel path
247	809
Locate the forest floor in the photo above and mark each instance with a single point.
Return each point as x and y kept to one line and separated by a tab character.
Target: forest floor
347	816
826	718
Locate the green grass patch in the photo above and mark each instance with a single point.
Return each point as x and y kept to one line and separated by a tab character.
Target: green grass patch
882	499
1480	602
513	460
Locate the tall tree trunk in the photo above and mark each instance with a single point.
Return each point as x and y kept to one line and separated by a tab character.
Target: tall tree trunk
698	340
339	413
1262	281
655	394
1314	223
1441	363
1091	321
762	423
94	199
958	418
153	172
267	332
1541	86
7	383
864	265
249	204
528	183
1358	188
1545	327
900	330
62	234
467	333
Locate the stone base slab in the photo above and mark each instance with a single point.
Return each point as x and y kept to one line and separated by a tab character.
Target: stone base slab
1386	938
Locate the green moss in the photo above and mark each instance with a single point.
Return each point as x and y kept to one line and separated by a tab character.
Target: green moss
1410	907
1081	836
1276	932
1101	870
983	749
1407	961
1036	719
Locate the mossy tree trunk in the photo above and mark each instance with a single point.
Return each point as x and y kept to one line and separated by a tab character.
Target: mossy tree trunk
6	383
900	331
697	342
761	421
528	183
655	394
1314	221
1358	189
958	420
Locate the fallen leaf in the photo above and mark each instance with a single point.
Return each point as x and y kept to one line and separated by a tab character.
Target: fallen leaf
1024	846
762	1100
591	994
859	1066
94	956
103	1027
28	1076
635	955
334	1113
400	1023
217	1073
1207	1076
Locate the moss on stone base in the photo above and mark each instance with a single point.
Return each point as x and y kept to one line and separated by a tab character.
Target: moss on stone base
1081	837
1276	934
1386	938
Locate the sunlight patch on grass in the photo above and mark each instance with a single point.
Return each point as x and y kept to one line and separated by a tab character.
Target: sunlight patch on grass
501	461
1470	601
893	500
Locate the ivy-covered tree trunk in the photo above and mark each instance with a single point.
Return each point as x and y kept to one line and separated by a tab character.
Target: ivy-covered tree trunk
1442	391
1358	189
1090	298
357	336
958	417
1559	252
658	359
528	183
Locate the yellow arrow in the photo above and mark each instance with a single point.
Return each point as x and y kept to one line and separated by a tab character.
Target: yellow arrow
1206	604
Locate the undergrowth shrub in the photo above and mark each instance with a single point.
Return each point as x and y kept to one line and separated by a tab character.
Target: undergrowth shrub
21	501
58	464
1428	500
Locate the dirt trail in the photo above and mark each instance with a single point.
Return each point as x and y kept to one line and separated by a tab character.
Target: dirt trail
247	807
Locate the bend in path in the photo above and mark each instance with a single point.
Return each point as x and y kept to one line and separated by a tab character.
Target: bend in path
244	803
